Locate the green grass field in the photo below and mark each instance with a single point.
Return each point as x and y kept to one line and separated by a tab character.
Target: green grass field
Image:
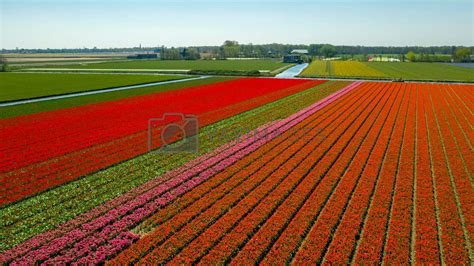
31	108
389	70
424	71
15	86
60	62
228	65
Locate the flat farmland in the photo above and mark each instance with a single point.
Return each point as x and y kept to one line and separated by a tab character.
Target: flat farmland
424	71
16	86
222	65
388	70
288	171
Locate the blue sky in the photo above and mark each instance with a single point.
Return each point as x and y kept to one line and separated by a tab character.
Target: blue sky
102	23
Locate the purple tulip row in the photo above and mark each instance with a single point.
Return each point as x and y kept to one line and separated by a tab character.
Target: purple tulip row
94	239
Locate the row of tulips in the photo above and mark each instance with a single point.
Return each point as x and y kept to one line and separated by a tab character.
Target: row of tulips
216	221
378	209
76	128
333	195
71	199
310	172
463	95
426	207
454	244
240	179
151	201
398	245
287	243
375	205
247	150
459	161
35	178
424	241
459	112
461	128
220	168
137	140
238	167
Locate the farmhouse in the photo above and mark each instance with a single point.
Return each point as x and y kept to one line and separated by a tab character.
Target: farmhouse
296	56
292	58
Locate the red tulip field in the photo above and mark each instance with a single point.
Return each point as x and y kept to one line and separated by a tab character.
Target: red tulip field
318	172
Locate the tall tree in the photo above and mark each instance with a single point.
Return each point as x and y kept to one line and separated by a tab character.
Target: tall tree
191	54
463	55
230	49
411	56
3	64
328	50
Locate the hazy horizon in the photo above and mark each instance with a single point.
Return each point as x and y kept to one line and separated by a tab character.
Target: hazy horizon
107	24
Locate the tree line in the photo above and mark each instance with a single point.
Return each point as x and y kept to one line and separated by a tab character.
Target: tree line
232	49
